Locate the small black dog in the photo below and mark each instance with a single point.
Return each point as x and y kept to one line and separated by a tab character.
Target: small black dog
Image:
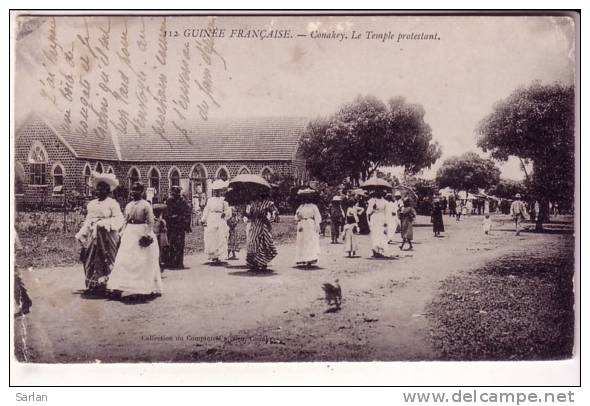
333	293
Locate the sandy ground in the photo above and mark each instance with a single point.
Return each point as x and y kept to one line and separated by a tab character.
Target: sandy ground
224	313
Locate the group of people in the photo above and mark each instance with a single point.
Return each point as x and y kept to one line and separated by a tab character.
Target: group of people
220	222
384	213
125	252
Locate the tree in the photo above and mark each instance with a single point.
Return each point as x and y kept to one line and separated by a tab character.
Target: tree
393	180
368	134
537	124
425	189
507	188
281	192
467	172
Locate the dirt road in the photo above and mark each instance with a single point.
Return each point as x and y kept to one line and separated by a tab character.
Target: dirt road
224	313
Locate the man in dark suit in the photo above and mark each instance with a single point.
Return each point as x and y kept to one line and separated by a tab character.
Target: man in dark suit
178	220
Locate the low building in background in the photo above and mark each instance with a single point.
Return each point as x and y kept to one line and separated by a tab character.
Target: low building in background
51	161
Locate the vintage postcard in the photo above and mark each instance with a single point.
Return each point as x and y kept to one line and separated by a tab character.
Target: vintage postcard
305	187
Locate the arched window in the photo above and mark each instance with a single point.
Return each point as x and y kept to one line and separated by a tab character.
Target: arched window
154	179
58	179
198	179
243	170
19	178
38	164
133	176
174	177
87	172
110	170
266	173
99	168
222	174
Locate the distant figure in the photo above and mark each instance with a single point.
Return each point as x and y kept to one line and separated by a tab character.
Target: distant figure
487	224
407	216
233	244
325	221
178	220
161	232
349	236
336	218
452	207
458	211
363	222
196	207
486	207
518	212
355	210
436	218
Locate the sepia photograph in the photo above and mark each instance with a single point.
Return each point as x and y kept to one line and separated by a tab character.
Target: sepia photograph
304	187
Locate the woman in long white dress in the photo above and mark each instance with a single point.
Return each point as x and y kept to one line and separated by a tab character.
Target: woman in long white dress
215	215
391	217
137	267
308	230
377	215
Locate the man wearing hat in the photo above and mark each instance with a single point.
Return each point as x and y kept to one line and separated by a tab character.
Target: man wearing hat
178	220
518	212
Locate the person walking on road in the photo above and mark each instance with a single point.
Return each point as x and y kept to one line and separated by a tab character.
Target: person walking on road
518	212
376	214
215	216
407	216
336	218
308	227
137	268
99	234
436	218
261	247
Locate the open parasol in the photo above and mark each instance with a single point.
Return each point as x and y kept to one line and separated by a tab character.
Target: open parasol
249	180
245	188
376	183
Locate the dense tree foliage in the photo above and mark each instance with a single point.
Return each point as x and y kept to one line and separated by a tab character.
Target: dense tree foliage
368	134
507	188
467	172
537	124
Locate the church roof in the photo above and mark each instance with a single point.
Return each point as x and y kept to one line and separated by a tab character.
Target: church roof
239	139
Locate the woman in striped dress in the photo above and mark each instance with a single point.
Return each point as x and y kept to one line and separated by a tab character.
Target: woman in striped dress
261	248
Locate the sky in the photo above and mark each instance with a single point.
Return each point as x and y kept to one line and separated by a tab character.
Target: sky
473	63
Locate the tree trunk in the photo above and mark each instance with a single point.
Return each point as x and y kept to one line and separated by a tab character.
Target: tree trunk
543	215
